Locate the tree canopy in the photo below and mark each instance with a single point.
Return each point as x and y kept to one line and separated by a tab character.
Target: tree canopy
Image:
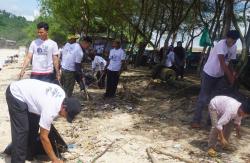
13	27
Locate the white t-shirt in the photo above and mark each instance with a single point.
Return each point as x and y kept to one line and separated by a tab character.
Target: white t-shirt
71	54
98	64
43	52
170	59
227	109
43	98
212	66
116	56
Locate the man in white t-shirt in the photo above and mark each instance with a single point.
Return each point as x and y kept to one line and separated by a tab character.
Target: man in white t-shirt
115	66
72	55
224	112
98	67
216	67
43	99
43	52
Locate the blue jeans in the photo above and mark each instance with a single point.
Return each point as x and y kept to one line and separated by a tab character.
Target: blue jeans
208	85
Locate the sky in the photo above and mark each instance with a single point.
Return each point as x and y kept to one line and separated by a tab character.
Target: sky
26	8
29	9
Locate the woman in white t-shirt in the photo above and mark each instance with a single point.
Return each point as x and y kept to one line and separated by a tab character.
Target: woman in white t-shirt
170	58
169	62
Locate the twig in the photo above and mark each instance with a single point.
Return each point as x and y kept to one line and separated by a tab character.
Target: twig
150	156
102	153
120	146
174	156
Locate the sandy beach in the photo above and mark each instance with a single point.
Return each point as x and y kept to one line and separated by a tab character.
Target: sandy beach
7	75
134	126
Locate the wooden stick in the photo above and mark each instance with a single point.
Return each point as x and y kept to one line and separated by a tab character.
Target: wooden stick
102	153
150	155
174	156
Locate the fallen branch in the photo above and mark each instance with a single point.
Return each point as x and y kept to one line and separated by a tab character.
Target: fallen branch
174	156
182	90
102	153
150	156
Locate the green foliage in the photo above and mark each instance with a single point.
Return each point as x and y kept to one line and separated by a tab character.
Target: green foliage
13	27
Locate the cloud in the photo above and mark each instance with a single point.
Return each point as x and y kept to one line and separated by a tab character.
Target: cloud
29	17
28	9
36	13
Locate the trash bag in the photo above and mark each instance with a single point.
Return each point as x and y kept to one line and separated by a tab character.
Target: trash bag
205	38
58	144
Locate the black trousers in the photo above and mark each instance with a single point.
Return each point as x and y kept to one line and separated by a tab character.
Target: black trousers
180	71
112	82
47	78
24	129
101	75
18	111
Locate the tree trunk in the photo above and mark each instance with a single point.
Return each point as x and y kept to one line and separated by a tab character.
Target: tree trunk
174	38
228	15
168	38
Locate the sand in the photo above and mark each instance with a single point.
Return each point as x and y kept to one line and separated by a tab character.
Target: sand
136	120
7	75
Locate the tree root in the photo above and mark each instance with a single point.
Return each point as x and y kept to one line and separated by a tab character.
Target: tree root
150	155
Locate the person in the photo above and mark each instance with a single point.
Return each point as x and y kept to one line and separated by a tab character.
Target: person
214	70
114	68
41	98
71	59
85	43
168	62
170	58
224	112
98	66
161	53
180	57
43	52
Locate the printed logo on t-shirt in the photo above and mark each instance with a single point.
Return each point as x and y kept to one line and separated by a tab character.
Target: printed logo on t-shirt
53	92
115	58
227	57
42	50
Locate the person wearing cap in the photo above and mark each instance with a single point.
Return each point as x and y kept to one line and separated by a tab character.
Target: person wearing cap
225	112
47	101
43	52
216	67
115	66
71	59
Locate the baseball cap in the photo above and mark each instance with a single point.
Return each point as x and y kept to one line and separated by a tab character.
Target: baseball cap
73	107
71	36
